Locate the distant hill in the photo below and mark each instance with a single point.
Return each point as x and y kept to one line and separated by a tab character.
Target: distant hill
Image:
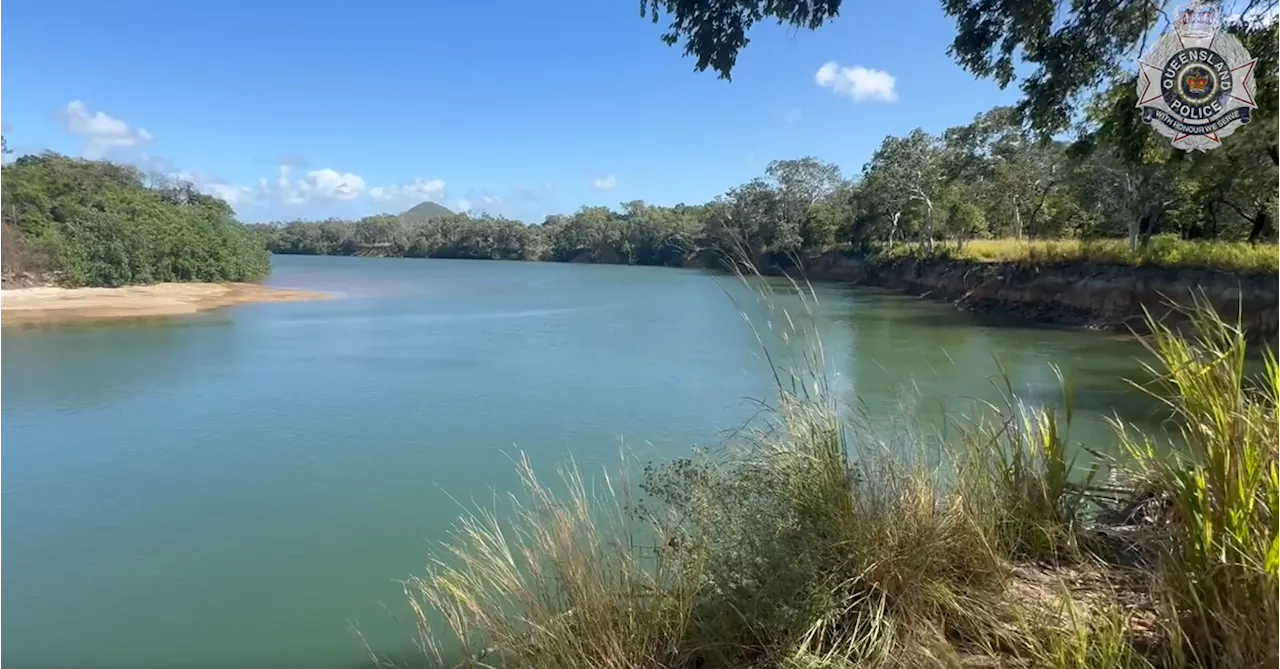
425	212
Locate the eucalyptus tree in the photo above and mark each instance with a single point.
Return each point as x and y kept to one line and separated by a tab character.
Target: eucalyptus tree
799	186
911	169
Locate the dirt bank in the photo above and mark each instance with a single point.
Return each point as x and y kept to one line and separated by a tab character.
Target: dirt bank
1098	296
47	304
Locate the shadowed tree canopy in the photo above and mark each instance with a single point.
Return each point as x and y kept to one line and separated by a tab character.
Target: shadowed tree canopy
714	31
1074	46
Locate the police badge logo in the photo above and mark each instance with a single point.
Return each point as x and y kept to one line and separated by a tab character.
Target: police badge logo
1196	86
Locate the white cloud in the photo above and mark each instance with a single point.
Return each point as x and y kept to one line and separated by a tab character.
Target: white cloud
316	185
462	204
607	182
291	186
330	184
857	82
103	133
491	199
283	188
234	194
417	190
792	115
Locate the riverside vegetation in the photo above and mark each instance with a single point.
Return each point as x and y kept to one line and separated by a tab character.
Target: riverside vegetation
1006	176
93	223
808	543
994	189
974	192
988	191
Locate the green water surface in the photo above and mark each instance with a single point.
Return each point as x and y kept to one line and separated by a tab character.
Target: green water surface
237	488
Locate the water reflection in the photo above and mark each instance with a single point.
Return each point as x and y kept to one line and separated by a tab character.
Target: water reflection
77	366
903	367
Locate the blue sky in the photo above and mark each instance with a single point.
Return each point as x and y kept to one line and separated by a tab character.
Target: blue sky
316	109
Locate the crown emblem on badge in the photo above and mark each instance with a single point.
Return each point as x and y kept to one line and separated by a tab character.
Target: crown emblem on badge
1197	20
1196	85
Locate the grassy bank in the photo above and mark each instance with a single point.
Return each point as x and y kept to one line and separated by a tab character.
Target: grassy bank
1163	251
808	544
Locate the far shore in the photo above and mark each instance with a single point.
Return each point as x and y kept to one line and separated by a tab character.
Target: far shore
50	304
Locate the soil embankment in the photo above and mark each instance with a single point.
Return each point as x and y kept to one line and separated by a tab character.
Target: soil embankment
49	304
1098	296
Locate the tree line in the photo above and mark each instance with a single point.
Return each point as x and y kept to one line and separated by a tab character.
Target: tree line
95	223
1003	175
992	178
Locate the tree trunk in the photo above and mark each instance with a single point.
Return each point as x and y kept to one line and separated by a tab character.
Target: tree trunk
1035	213
1261	225
928	225
893	229
1134	226
1152	226
1017	219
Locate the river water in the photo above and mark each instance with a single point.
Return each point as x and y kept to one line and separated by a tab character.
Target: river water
240	487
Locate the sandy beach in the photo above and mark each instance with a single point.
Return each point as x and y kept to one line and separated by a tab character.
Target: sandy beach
49	304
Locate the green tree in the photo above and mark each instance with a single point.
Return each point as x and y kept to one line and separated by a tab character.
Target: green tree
98	224
714	32
911	170
1007	167
1071	47
799	185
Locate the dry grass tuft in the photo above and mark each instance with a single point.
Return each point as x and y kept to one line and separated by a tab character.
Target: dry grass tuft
1163	251
808	544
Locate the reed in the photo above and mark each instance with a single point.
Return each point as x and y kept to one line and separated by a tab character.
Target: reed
806	542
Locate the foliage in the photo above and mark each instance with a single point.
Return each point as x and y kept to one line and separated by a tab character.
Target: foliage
1166	251
1017	470
715	32
1221	573
1071	47
642	234
100	224
1124	181
988	186
999	177
806	542
605	609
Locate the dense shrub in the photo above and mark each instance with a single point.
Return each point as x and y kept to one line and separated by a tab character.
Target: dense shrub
100	224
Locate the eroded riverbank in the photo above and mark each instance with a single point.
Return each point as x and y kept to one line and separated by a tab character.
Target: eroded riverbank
51	304
1083	294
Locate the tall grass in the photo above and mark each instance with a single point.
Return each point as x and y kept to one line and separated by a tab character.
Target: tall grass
561	585
1221	574
1018	471
1163	251
806	542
